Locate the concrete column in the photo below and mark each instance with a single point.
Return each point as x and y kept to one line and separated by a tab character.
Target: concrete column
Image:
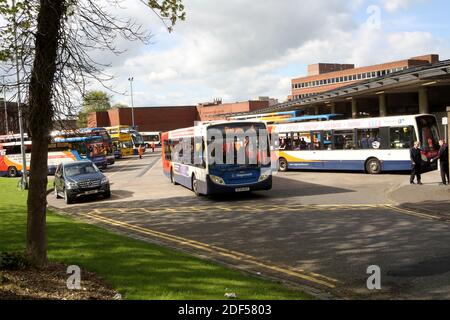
333	108
316	110
354	109
423	101
382	104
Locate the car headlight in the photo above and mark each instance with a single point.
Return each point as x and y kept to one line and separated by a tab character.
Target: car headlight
217	180
71	185
264	176
105	180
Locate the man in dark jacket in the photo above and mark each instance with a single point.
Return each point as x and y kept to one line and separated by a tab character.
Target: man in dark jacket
416	163
443	156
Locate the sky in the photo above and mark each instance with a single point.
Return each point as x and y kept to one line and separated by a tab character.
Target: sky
241	49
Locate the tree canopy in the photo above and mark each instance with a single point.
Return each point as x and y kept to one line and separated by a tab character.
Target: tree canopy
93	101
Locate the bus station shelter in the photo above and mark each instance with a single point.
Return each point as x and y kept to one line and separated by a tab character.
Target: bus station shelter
420	90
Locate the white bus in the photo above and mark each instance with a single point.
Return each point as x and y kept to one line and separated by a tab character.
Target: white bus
200	170
151	137
372	145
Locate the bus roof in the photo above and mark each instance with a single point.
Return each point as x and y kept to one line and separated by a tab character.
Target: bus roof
349	124
192	131
77	139
312	117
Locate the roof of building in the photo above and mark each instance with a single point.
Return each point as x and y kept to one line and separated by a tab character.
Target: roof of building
397	79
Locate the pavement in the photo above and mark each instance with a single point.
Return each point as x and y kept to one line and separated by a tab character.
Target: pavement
319	231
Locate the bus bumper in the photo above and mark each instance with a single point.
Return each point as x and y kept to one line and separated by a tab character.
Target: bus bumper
213	188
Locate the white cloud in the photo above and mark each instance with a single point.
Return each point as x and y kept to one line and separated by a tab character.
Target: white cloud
239	50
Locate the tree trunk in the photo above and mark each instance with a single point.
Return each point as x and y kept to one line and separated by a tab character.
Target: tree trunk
40	115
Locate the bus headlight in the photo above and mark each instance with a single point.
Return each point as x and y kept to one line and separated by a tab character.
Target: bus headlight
264	176
217	180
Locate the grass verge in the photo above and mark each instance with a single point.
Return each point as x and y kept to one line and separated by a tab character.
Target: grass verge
136	269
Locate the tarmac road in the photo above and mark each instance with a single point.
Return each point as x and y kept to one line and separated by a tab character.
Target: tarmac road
320	230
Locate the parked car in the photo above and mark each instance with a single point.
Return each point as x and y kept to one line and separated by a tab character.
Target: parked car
77	179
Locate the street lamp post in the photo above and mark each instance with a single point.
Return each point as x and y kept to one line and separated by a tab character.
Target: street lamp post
131	79
24	179
6	107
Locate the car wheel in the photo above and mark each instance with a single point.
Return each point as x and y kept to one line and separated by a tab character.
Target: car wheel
67	198
373	166
195	186
107	195
283	165
172	177
12	172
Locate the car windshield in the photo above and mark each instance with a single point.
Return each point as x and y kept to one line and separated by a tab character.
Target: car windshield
82	168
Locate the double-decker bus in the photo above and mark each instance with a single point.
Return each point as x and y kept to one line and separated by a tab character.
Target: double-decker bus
11	164
122	141
372	145
151	137
107	141
219	157
87	147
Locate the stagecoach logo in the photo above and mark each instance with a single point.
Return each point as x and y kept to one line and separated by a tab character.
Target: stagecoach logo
242	175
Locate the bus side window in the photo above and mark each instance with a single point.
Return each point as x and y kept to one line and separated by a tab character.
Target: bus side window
167	151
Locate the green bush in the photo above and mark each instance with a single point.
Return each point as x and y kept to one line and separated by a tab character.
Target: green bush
13	261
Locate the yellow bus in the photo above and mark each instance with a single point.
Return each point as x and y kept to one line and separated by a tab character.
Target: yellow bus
122	141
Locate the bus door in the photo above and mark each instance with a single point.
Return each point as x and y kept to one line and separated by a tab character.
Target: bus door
315	146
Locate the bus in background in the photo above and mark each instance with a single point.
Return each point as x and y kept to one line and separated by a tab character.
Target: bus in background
137	139
151	137
107	141
269	117
11	158
313	118
122	141
12	143
199	171
87	147
373	145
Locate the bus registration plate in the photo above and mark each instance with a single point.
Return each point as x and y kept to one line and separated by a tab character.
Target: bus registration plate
242	189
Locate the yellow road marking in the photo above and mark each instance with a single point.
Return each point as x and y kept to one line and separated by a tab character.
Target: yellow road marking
413	213
315	278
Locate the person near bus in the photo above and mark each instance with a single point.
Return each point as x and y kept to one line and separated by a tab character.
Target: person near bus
443	156
140	151
153	147
416	163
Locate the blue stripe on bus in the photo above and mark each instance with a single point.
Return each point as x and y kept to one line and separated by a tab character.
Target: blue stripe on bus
349	165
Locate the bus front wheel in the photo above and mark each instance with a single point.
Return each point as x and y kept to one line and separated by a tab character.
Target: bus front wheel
172	177
12	172
283	165
195	186
373	166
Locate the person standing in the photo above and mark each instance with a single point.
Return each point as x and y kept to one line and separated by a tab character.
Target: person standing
416	163
443	156
140	151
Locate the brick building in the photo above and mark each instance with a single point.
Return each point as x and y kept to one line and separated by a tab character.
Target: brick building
324	77
146	119
216	110
176	117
